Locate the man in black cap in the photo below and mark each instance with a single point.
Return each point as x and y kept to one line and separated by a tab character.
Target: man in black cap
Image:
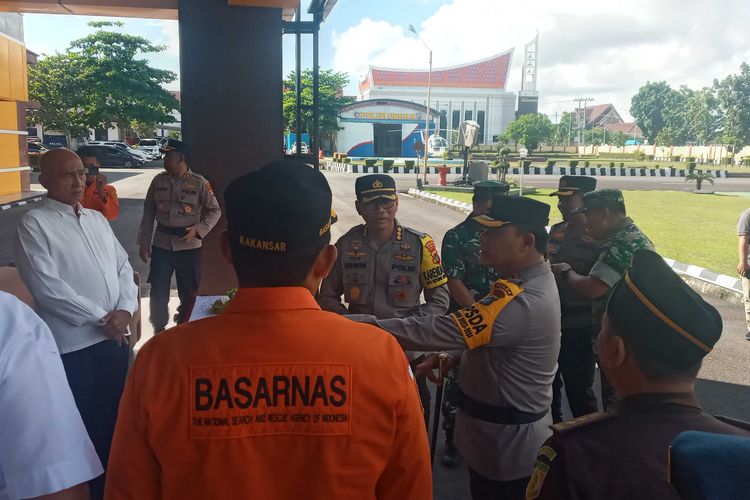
185	209
273	398
508	343
383	267
608	223
468	282
654	336
570	242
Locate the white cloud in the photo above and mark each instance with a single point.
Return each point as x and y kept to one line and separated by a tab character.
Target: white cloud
170	36
590	48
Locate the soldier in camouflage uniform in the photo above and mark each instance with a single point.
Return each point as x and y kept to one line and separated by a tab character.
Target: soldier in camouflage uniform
468	282
570	242
607	221
185	209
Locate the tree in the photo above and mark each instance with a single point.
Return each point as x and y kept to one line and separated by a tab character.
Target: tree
647	107
331	101
703	115
100	80
529	130
733	95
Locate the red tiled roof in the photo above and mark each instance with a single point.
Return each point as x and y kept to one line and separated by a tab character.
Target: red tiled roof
491	73
626	128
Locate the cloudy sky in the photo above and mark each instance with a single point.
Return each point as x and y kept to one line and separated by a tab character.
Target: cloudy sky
588	48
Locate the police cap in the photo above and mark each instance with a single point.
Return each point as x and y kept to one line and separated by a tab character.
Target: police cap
515	210
175	145
491	187
374	186
660	315
574	184
281	210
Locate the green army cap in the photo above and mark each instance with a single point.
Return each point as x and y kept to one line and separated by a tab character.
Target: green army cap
602	198
660	315
491	187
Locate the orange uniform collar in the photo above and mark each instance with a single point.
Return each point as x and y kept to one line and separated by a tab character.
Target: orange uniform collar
272	299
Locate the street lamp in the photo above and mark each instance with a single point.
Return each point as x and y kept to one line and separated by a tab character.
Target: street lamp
427	115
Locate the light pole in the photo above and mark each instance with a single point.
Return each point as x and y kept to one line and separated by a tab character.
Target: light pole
523	153
427	115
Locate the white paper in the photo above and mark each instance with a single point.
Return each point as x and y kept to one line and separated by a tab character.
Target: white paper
202	306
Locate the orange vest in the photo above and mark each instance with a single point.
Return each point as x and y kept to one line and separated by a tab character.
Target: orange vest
273	399
109	208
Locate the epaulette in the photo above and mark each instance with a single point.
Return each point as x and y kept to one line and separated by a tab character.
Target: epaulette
419	234
580	422
734	422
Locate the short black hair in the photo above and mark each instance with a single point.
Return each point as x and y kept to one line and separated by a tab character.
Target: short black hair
88	151
274	272
655	370
540	236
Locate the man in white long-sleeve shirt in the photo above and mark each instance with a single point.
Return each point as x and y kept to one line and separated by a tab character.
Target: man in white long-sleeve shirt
83	286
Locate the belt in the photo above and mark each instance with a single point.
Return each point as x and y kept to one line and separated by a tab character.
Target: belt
505	415
173	231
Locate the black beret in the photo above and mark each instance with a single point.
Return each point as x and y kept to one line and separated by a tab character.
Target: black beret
575	184
660	315
515	210
374	186
281	210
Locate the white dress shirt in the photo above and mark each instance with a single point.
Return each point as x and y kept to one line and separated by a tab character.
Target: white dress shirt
76	270
44	446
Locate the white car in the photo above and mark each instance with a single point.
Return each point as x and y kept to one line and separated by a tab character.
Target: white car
150	147
122	145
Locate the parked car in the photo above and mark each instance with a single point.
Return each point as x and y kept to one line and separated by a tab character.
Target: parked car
150	147
121	145
113	156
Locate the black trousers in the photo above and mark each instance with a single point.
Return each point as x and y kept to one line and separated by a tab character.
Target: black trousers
96	376
489	489
186	265
576	373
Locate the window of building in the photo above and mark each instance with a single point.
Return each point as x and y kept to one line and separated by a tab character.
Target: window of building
467	114
456	121
480	121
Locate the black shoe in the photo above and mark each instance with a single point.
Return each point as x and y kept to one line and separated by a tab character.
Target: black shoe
747	336
451	457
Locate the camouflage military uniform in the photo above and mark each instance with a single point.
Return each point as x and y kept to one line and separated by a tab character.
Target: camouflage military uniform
460	253
614	259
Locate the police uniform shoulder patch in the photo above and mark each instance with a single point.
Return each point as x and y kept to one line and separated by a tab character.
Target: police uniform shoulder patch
580	422
431	268
475	322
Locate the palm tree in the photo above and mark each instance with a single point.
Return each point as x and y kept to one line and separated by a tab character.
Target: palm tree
699	176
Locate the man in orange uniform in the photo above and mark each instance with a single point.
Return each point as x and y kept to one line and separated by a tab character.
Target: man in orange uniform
98	195
274	398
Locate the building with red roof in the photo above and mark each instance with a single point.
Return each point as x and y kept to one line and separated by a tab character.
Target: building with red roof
472	91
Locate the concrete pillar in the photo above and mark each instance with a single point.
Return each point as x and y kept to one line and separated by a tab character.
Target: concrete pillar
231	75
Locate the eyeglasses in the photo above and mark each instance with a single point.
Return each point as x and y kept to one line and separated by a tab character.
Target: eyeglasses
379	203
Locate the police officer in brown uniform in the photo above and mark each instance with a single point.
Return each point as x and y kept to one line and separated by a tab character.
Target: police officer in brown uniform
383	267
570	242
655	333
185	209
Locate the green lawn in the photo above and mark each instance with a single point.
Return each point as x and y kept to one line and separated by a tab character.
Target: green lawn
691	228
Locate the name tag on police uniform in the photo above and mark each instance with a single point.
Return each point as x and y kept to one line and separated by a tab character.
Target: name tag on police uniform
266	399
